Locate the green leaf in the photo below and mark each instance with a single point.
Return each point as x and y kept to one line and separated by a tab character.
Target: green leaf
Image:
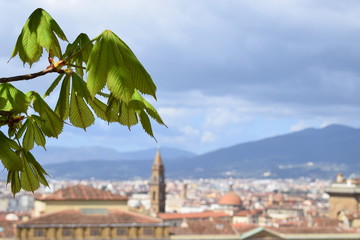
53	85
100	108
8	157
14	179
21	131
33	134
139	103
62	105
28	178
78	52
79	86
127	116
51	123
141	78
112	62
29	137
3	102
80	114
120	84
40	31
39	135
18	102
98	67
38	169
145	123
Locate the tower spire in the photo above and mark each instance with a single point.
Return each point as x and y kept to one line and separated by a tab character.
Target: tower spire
157	185
158	161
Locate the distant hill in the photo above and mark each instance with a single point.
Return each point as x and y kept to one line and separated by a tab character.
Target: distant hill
311	152
63	154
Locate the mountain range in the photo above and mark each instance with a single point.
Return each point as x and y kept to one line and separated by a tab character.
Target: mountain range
317	153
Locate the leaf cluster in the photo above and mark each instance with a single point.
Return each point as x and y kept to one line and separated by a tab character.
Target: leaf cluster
97	78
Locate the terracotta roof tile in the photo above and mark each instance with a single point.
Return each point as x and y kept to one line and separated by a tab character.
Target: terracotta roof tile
244	227
244	213
299	230
79	217
230	198
204	227
80	192
207	214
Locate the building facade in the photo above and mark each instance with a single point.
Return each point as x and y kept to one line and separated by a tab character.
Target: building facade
344	196
92	224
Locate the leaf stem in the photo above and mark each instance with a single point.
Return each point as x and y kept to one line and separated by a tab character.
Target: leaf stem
72	65
49	69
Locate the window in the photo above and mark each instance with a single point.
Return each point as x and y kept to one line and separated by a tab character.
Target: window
39	232
148	231
67	232
121	231
95	232
153	195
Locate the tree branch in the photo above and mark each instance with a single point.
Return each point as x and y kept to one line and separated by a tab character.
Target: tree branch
49	69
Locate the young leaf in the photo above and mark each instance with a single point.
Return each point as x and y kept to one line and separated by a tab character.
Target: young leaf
8	157
14	179
3	102
79	49
38	169
29	137
53	85
51	124
120	84
139	103
62	105
40	31
80	114
112	62
18	102
39	136
79	86
145	123
28	178
141	79
127	115
100	108
98	67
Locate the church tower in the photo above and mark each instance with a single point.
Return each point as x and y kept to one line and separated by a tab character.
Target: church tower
157	185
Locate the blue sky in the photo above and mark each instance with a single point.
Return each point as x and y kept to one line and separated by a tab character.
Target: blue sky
227	71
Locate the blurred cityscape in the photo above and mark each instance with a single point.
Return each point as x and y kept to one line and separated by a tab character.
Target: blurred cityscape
160	208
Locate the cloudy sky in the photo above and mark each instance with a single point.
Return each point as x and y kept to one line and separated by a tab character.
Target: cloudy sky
227	71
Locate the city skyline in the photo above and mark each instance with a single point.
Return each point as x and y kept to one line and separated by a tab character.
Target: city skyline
227	72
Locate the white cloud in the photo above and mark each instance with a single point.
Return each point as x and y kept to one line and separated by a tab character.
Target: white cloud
190	131
208	136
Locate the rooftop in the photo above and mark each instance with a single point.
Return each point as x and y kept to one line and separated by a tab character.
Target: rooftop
207	214
204	227
80	217
80	192
230	198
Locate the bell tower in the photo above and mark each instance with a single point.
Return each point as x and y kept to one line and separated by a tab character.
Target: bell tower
157	185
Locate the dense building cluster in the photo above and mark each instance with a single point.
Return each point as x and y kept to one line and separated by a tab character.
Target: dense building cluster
185	209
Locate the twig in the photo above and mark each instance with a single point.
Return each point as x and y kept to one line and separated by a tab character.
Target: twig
49	69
